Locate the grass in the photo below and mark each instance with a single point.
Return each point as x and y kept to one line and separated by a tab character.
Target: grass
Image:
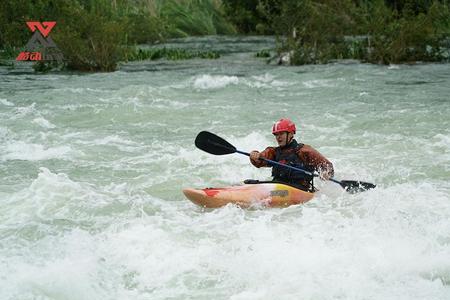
135	54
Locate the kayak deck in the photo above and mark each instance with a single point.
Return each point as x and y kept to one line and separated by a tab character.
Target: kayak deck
248	195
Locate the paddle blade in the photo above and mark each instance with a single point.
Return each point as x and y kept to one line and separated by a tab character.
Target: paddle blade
211	143
354	187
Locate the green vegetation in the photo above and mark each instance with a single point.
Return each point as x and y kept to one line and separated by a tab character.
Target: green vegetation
252	16
263	53
317	31
134	54
95	35
195	17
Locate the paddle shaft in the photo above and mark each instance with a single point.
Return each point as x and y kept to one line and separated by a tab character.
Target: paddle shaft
285	166
289	167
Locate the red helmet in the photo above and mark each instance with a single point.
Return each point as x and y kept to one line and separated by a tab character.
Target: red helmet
284	125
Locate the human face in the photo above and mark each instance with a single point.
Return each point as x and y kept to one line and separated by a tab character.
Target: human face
283	138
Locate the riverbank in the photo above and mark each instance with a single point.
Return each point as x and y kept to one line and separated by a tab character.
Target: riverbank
207	48
97	35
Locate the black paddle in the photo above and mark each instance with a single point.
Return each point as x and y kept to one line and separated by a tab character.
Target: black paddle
211	143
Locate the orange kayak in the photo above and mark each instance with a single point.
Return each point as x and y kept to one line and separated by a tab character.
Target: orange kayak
248	195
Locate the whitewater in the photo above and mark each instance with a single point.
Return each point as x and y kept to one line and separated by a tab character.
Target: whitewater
92	167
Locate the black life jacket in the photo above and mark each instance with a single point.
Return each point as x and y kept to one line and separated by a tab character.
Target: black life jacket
288	155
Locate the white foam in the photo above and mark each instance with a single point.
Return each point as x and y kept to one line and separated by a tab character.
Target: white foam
26	110
119	142
82	90
264	78
164	103
53	196
3	132
6	102
115	225
33	152
214	81
43	123
443	140
67	275
318	83
266	81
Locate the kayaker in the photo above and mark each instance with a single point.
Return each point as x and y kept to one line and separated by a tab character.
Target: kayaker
290	152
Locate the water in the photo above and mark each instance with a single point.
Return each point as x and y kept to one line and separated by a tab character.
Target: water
92	167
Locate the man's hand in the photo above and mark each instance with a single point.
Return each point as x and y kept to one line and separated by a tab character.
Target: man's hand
324	174
254	155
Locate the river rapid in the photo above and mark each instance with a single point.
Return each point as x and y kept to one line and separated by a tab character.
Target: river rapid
92	167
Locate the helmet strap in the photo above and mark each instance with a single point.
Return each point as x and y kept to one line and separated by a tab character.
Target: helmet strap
286	139
290	140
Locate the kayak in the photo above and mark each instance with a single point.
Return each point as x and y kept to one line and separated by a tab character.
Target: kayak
248	195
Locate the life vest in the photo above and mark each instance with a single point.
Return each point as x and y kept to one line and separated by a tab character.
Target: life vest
288	156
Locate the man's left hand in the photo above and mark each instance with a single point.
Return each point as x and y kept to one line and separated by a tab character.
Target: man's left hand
324	175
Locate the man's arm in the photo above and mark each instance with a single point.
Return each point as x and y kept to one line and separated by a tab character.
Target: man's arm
312	158
268	153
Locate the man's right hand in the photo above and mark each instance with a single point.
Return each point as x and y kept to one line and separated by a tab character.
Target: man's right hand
255	155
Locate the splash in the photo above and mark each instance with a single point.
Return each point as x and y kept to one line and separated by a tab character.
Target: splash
207	81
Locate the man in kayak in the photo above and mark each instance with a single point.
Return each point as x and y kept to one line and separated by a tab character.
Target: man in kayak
290	152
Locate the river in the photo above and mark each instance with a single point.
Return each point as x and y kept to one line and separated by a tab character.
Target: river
92	167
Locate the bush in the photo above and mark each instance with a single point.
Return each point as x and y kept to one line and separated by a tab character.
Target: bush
133	54
317	31
396	37
314	30
94	34
90	39
195	17
263	53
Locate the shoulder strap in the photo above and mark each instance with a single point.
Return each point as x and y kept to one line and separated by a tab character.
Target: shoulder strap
277	153
299	146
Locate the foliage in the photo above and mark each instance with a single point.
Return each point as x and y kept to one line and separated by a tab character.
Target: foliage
8	52
263	53
134	54
406	36
90	37
250	16
143	28
45	66
93	35
317	31
195	17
